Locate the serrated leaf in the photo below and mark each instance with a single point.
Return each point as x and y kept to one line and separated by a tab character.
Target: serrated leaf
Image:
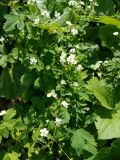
102	92
13	56
14	21
64	115
83	140
3	60
108	128
10	114
5	132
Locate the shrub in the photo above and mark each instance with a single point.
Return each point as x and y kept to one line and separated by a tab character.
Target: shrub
59	82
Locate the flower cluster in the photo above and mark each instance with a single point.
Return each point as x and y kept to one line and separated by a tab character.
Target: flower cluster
44	132
52	94
63	82
72	3
74	31
115	33
71	59
64	104
57	15
33	60
58	121
2	112
45	13
63	57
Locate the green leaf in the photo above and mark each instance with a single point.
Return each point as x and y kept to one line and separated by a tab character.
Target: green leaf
12	156
14	20
105	7
1	48
115	150
64	115
39	103
10	114
109	21
104	154
27	79
3	60
111	153
102	92
108	128
40	4
13	56
83	140
107	37
5	133
7	85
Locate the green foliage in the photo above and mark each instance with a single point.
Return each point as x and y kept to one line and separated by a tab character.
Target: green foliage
102	92
82	140
108	128
59	80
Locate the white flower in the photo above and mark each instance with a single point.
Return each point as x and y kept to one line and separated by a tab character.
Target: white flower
63	57
65	104
31	2
90	0
62	82
79	67
74	31
115	33
2	39
71	59
52	94
37	20
72	50
2	112
44	132
47	121
45	13
82	3
75	84
68	23
57	15
86	109
72	3
97	65
58	121
33	60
